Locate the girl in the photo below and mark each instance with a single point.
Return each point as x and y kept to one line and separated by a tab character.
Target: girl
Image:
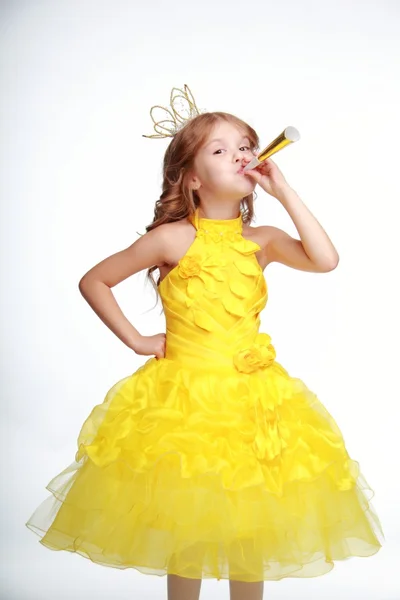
211	460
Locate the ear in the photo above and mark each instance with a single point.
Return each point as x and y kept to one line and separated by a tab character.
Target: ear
194	183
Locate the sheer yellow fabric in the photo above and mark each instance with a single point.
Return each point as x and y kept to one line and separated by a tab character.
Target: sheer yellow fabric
212	462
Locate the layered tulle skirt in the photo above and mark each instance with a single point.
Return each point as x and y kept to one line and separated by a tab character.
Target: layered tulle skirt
211	474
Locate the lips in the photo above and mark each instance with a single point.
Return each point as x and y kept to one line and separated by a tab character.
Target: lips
241	170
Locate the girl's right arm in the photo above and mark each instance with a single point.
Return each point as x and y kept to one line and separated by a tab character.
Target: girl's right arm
95	286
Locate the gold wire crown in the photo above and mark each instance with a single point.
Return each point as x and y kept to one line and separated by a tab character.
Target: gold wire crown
183	107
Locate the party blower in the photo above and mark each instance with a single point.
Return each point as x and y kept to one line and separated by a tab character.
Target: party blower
288	136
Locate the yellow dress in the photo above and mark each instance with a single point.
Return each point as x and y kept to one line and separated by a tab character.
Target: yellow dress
213	461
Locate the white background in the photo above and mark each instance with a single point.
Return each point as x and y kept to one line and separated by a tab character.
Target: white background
78	181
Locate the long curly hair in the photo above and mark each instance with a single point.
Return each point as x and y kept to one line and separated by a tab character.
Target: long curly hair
178	200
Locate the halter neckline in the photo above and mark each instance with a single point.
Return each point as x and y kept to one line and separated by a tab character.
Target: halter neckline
216	225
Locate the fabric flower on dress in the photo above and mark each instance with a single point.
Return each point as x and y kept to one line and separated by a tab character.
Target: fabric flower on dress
189	266
260	355
201	272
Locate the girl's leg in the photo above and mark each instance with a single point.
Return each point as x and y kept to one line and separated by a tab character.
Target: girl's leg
182	588
243	590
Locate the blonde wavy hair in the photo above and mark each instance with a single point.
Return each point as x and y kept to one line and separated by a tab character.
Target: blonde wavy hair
178	200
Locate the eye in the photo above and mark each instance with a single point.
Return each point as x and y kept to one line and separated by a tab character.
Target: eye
220	149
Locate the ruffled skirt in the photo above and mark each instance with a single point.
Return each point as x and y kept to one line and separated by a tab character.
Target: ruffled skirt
211	475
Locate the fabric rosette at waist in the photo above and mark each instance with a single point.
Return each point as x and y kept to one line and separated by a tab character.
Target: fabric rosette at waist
254	353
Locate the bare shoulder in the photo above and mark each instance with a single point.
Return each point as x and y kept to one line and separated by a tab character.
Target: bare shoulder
178	236
259	235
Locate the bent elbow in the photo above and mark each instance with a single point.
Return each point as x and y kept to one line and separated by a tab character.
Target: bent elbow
83	285
333	264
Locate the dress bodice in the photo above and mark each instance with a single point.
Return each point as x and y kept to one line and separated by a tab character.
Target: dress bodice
213	297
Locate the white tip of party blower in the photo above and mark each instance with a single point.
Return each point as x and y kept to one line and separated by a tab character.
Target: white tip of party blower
292	134
252	164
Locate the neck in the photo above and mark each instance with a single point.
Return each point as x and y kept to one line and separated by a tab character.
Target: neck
218	212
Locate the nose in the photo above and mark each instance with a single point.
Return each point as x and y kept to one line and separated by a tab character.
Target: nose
239	157
241	160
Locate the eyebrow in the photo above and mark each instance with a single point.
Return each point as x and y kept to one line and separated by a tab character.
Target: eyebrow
245	137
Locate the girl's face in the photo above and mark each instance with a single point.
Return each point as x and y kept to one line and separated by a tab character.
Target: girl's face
218	165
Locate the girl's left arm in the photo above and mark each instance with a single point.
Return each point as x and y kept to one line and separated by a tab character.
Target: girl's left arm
314	251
